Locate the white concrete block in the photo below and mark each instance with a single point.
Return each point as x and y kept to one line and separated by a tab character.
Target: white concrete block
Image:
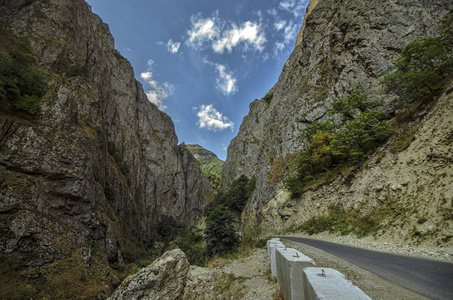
272	241
271	247
330	284
290	272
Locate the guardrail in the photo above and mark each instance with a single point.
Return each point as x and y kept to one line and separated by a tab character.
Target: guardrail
300	279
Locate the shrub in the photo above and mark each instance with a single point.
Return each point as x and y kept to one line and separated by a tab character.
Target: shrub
77	70
422	67
268	97
113	151
187	238
21	84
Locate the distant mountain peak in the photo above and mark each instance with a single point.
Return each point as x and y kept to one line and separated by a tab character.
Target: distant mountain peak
209	161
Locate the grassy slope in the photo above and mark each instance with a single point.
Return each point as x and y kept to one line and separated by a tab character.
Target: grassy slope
209	162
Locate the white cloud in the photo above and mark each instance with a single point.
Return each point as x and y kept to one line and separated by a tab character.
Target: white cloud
146	75
225	82
211	119
289	33
202	30
272	12
214	31
172	47
250	33
158	91
279	25
296	7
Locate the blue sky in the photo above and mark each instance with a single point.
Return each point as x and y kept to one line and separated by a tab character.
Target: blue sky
203	61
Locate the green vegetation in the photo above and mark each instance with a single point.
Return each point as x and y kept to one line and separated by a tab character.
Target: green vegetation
237	195
22	85
209	162
344	221
220	237
422	67
268	97
347	220
336	146
187	238
220	233
113	151
68	278
77	70
216	182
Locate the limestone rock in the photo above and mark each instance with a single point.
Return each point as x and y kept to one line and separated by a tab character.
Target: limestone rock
163	279
342	43
99	164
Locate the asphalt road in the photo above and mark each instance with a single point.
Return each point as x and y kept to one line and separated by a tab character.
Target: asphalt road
430	278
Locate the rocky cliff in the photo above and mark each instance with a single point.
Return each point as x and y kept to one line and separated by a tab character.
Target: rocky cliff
342	43
86	179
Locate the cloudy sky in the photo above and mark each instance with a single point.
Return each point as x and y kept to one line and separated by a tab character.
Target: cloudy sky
203	61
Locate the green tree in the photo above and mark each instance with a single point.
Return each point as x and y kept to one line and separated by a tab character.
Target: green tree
215	181
422	67
334	146
220	234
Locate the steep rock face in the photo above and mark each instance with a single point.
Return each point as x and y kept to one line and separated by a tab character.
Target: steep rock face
417	180
342	43
100	163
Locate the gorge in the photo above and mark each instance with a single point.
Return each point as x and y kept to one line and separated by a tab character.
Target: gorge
86	178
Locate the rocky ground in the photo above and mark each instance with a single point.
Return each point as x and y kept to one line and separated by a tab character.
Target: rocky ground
245	278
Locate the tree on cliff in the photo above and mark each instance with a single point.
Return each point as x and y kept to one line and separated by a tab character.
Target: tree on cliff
422	67
335	145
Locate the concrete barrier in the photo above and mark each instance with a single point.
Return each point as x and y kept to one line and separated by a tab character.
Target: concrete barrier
299	278
272	246
290	272
326	283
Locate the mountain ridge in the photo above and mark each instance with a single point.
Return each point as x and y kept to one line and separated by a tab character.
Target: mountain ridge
209	161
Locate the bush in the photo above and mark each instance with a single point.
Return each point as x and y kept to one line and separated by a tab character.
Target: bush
268	97
77	70
113	151
21	84
219	233
187	238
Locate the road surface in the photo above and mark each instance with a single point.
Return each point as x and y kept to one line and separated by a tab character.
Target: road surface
430	278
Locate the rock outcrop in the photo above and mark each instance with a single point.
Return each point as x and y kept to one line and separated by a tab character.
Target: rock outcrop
98	165
163	279
342	43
